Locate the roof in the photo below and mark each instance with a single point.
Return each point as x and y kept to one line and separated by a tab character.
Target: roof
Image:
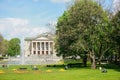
43	36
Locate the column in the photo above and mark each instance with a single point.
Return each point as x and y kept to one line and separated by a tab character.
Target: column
45	48
36	48
49	48
31	47
40	47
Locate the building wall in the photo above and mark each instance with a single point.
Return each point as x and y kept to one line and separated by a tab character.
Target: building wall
27	48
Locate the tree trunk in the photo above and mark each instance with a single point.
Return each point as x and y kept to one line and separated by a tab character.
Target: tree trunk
92	55
100	54
93	63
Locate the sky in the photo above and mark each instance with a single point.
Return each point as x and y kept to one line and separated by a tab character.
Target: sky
28	18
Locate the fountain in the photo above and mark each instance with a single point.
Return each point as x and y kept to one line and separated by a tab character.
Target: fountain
22	59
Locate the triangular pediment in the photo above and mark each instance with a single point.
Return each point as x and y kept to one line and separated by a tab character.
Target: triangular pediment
42	38
46	36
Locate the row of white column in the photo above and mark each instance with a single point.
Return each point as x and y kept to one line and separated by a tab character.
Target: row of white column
42	47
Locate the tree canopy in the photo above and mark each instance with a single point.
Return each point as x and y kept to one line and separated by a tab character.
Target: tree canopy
83	28
14	47
3	45
115	23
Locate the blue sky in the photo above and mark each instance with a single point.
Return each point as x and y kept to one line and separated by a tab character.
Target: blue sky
24	18
27	18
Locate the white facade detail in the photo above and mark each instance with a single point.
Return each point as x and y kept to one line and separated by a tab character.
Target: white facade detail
40	50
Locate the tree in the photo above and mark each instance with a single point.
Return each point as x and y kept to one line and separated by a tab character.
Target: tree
82	28
3	45
14	47
116	32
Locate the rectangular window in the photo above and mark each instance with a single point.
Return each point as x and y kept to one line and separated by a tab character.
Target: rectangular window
46	52
38	52
34	52
42	52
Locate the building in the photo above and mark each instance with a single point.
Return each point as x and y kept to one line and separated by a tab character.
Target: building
40	50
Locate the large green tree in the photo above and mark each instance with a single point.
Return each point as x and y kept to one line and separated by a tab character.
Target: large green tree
83	28
115	21
14	47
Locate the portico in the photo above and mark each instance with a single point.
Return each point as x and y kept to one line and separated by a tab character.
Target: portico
42	47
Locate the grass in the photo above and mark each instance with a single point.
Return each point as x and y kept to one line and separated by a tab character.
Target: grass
56	73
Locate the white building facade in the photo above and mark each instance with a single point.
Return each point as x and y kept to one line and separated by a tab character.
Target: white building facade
40	50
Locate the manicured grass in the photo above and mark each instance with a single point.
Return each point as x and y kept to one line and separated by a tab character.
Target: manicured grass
56	73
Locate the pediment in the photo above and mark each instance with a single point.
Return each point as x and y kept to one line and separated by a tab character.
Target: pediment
42	38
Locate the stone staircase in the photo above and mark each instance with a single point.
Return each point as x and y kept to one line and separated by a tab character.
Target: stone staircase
41	59
34	60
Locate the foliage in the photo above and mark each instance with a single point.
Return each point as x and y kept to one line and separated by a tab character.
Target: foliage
116	27
14	47
115	23
83	28
3	45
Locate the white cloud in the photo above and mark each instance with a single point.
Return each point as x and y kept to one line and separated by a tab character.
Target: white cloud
60	1
21	28
13	22
116	5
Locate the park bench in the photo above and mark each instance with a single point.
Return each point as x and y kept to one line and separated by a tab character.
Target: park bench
34	68
23	68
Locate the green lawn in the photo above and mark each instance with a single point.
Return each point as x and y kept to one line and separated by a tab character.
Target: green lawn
56	73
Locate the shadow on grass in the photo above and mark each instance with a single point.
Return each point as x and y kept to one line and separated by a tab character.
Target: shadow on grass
69	66
112	66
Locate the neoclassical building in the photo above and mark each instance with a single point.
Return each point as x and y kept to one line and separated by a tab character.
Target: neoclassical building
40	49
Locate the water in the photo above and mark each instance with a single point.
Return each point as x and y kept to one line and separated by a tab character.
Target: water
31	60
22	58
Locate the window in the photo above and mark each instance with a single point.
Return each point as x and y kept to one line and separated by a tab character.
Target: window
38	52
46	52
43	52
34	52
